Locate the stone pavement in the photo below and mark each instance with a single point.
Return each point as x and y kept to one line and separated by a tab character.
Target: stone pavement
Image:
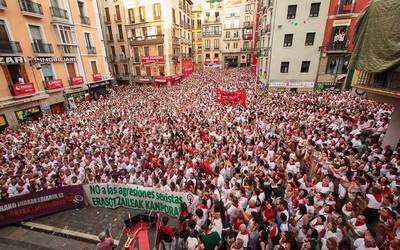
89	221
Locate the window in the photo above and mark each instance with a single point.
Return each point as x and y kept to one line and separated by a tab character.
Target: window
235	45
236	34
207	44
120	32
81	8
198	24
207	56
161	70
142	15
291	13
310	38
288	40
47	71
248	8
173	16
247	18
136	54
88	40
227	46
148	71
107	11
158	29
146	51
338	38
131	15
284	67
71	70
116	70
112	48
314	10
110	34
117	13
246	45
137	70
36	33
337	64
66	34
216	55
93	64
305	66
160	50
157	11
126	69
216	43
228	34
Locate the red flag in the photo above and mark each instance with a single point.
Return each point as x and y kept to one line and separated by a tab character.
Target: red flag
225	96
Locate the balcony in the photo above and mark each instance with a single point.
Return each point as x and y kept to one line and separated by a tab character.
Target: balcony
10	47
146	40
85	20
123	58
136	59
211	34
3	4
247	36
385	83
345	8
212	20
338	46
30	8
117	18
59	13
248	25
111	58
91	50
23	89
106	20
68	49
40	47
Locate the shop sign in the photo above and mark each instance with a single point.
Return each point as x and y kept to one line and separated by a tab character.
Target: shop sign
23	88
53	59
12	60
54	84
77	80
97	77
291	85
3	121
150	59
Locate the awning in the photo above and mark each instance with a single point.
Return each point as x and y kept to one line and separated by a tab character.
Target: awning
99	82
75	89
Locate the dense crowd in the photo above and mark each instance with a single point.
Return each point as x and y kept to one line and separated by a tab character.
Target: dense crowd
288	171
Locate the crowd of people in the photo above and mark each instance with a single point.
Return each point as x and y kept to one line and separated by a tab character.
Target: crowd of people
288	171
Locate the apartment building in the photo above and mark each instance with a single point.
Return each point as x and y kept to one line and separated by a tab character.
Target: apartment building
337	45
51	56
113	19
290	42
160	39
212	19
197	37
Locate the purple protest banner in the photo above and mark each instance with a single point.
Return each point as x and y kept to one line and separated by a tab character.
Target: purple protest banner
33	205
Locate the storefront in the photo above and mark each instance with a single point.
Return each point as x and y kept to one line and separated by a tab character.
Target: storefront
3	122
76	95
98	87
30	114
231	60
291	86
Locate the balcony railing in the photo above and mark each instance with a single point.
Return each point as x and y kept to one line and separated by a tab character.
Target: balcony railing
106	20
117	18
22	89
111	58
40	47
136	59
3	4
31	7
68	50
248	25
85	20
338	45
345	8
212	20
154	39
91	50
10	47
60	13
120	37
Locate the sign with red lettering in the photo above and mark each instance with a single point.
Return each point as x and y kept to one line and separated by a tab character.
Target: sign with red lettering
77	80
187	67
23	88
97	77
37	204
231	97
54	84
151	59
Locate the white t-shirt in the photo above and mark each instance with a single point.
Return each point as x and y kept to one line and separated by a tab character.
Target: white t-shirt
192	243
244	238
372	202
359	244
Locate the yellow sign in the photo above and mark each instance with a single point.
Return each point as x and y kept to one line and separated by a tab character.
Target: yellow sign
3	121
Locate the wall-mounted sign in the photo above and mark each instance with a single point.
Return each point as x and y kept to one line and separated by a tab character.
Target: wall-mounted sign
150	59
77	80
291	84
54	84
341	22
12	60
97	77
52	59
23	88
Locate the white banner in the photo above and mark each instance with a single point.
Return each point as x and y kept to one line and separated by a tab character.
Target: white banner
291	84
138	197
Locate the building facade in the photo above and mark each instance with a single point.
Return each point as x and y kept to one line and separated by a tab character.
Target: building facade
197	37
113	19
51	56
160	39
337	45
290	42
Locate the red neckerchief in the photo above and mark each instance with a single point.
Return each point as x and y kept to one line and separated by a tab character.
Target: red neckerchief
378	197
357	224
